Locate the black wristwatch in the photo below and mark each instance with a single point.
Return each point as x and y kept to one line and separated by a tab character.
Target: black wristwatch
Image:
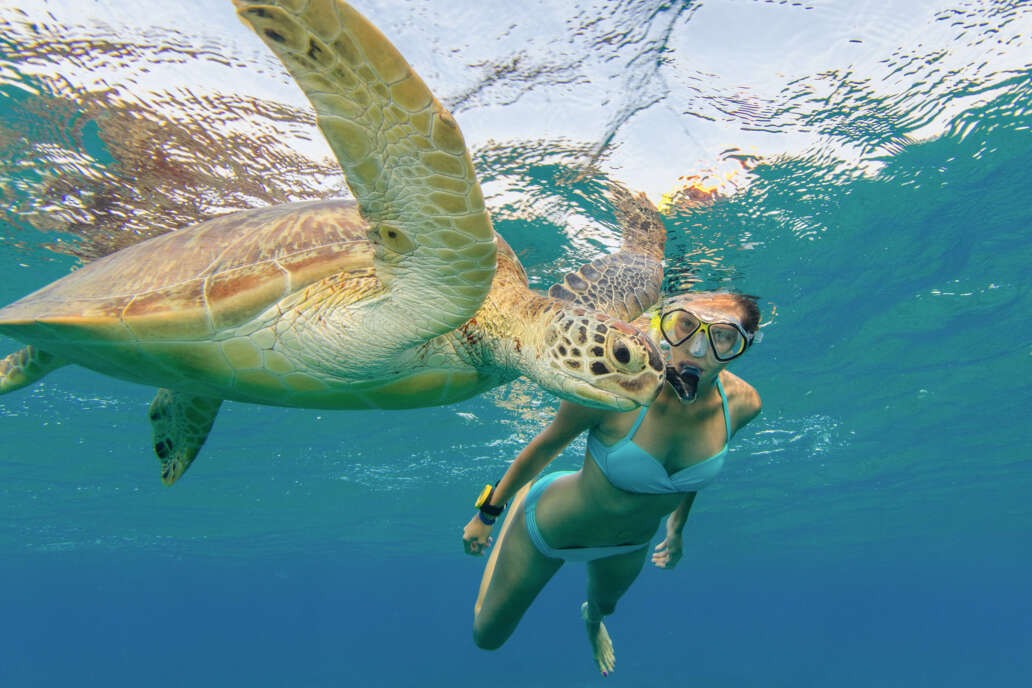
487	512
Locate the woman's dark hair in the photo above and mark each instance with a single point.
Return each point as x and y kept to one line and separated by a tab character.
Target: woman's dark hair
751	321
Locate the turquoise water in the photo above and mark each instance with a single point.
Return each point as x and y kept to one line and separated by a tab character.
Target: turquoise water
872	525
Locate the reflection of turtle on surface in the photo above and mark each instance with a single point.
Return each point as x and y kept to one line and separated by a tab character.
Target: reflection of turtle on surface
406	299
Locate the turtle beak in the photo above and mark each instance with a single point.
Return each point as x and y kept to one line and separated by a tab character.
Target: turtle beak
590	395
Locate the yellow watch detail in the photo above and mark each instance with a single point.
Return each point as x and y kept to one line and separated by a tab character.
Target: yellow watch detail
485	494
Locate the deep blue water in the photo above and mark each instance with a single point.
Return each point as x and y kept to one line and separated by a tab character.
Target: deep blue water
365	618
872	527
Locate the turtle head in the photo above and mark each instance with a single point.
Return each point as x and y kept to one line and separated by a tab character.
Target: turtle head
596	360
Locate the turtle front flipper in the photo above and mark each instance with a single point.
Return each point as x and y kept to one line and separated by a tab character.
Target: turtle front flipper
628	282
181	423
404	158
26	366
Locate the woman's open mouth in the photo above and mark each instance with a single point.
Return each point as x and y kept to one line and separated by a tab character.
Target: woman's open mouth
684	379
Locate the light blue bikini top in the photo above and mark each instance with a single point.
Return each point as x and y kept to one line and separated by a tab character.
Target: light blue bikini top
629	467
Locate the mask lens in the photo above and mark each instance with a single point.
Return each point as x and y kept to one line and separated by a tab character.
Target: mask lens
727	341
678	326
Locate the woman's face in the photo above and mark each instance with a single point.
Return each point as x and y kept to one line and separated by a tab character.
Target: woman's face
692	332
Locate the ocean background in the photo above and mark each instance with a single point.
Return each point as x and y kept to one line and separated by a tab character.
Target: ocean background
863	167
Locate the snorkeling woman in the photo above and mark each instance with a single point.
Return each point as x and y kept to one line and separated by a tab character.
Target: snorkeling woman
639	467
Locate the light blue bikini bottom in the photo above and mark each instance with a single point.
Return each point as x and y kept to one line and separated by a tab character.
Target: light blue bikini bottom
566	553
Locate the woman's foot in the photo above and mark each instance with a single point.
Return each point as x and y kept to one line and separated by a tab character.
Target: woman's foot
601	645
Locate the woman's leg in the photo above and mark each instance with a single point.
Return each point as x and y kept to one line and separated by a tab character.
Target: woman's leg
515	573
608	580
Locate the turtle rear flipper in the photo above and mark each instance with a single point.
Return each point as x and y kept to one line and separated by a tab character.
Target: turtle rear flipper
628	282
181	424
26	366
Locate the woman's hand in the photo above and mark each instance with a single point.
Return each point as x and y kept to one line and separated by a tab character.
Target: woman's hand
476	536
668	552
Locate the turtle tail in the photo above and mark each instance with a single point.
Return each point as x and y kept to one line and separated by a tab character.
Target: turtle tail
25	366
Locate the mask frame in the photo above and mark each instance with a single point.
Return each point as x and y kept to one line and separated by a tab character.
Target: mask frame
659	326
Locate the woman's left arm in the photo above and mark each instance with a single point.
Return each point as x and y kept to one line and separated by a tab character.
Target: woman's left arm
743	401
745	406
668	552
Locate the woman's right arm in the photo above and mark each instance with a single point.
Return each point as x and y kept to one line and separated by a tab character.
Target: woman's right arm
570	420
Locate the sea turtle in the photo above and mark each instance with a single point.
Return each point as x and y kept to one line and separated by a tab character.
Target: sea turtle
405	298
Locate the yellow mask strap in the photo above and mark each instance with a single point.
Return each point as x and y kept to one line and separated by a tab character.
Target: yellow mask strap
654	322
656	334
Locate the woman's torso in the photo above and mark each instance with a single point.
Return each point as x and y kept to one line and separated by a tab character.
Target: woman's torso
585	509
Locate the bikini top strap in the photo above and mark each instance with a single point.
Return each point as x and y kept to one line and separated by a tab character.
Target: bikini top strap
634	428
727	414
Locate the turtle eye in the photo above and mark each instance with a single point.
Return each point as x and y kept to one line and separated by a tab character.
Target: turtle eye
621	353
624	354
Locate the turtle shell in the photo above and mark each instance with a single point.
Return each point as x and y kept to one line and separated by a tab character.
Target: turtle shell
192	283
186	288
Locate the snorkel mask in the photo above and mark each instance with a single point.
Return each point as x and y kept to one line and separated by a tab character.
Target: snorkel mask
684	382
724	335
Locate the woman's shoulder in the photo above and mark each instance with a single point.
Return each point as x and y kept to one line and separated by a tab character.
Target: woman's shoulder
573	418
743	400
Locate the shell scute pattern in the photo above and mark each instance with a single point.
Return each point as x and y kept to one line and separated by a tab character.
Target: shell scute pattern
237	296
147	315
242	352
264	338
308	267
198	361
277	363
